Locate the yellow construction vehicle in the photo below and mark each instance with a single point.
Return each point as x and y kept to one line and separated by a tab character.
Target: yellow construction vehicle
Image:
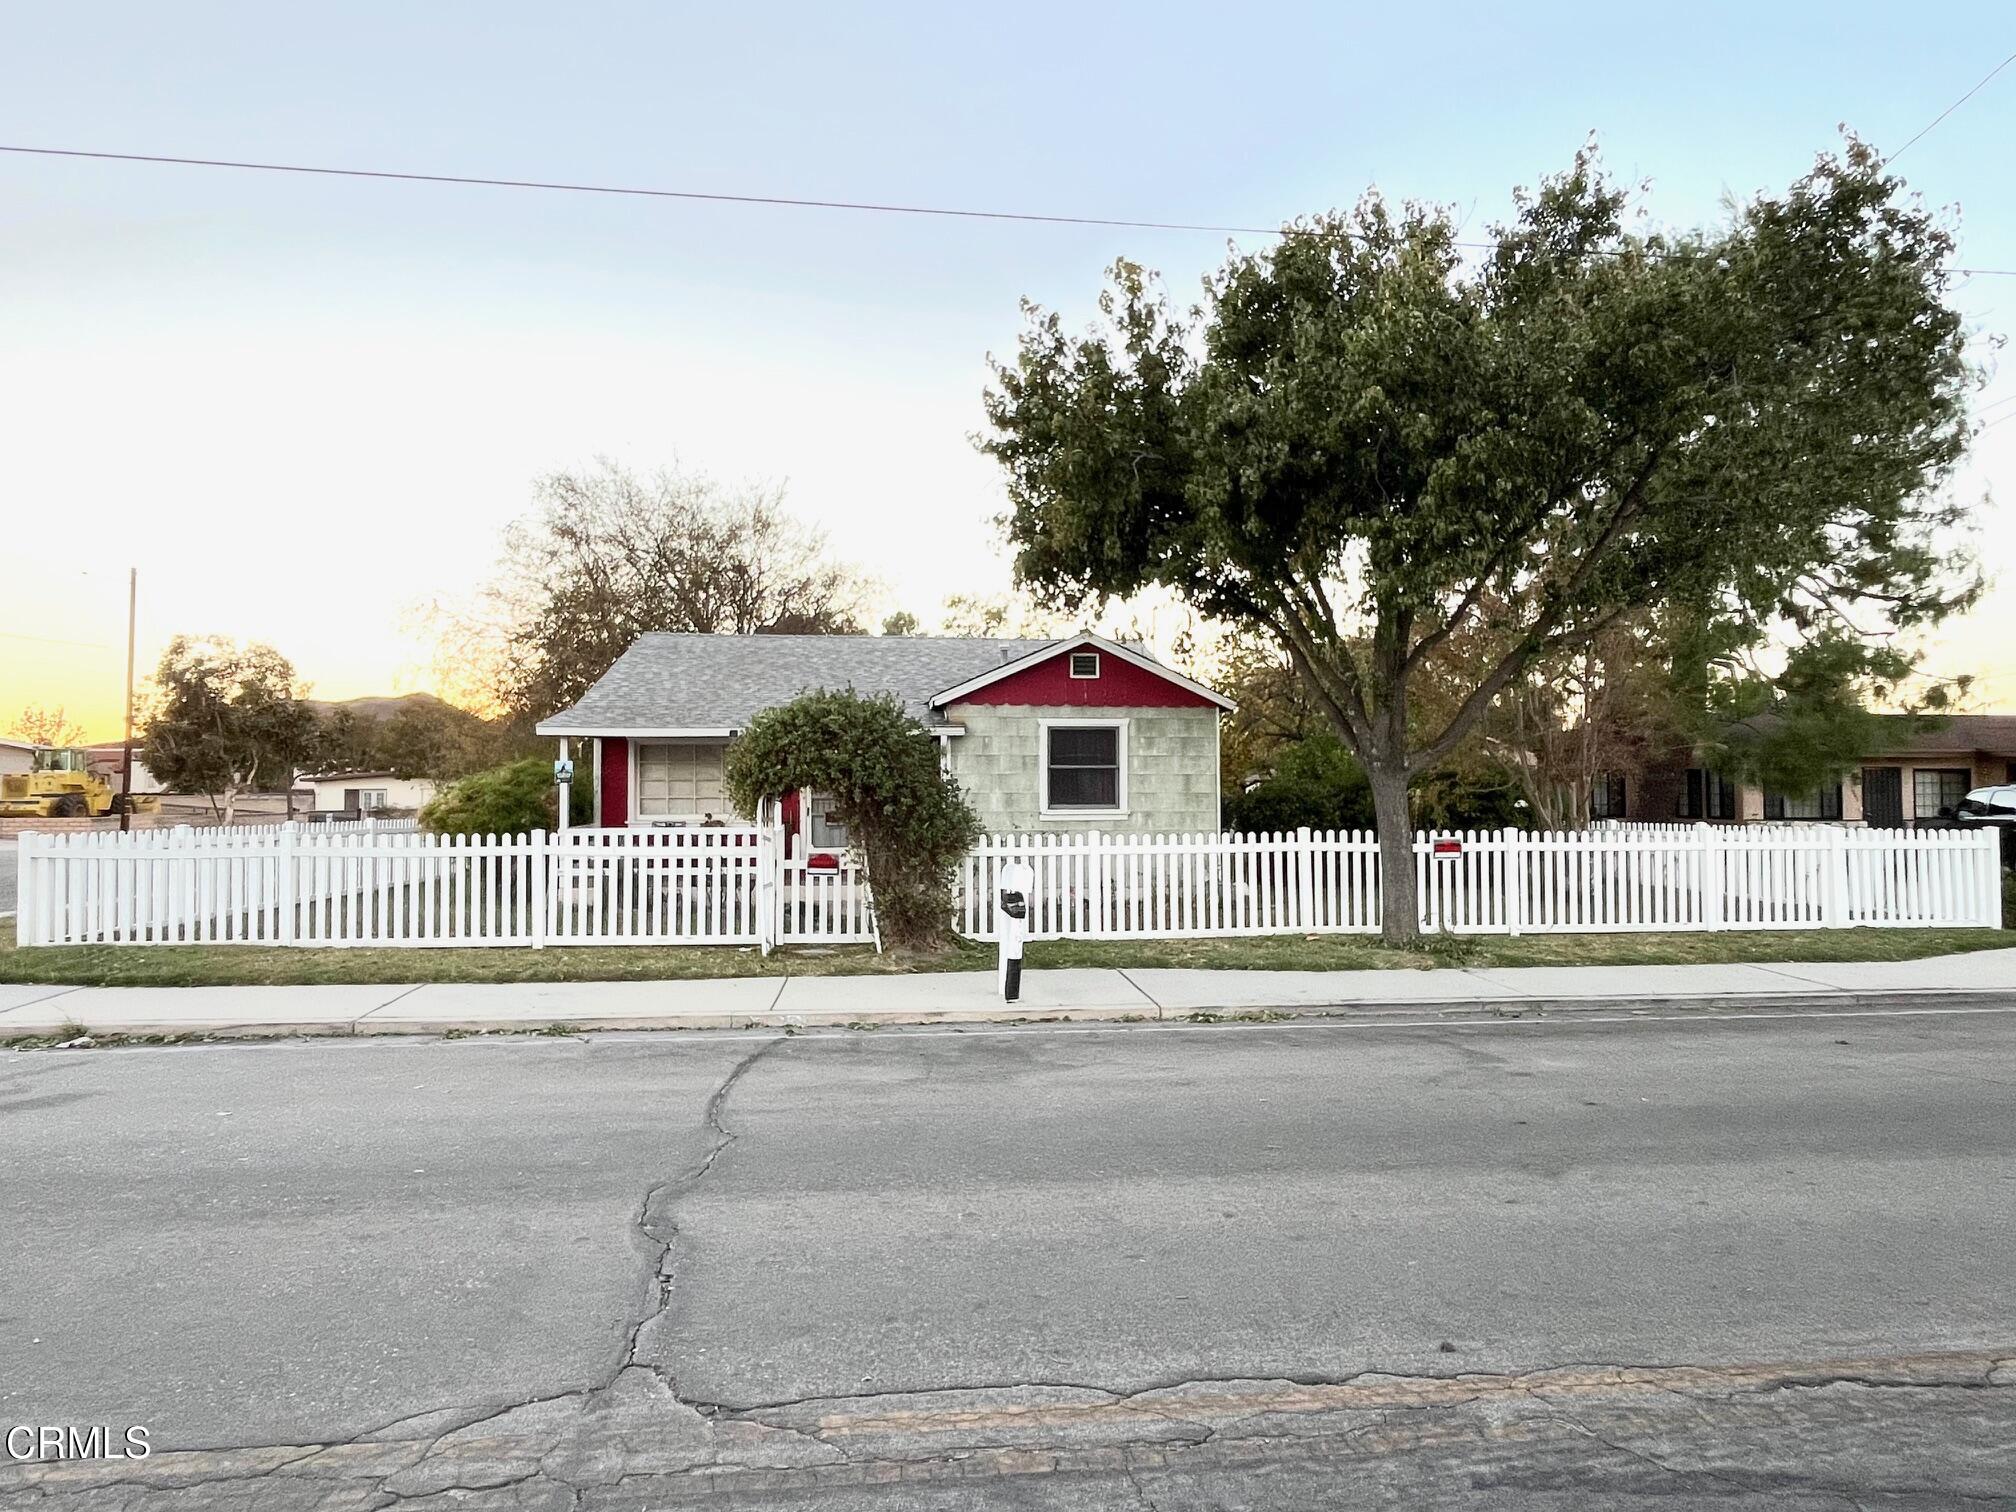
63	786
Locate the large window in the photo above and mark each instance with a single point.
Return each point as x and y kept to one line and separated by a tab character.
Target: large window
1825	803
1084	768
679	779
1936	791
1606	796
822	829
1709	795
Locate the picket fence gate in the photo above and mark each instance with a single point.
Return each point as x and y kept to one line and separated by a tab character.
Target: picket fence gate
736	886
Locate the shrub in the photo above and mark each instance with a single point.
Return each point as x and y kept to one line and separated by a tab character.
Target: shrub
905	817
508	800
1316	782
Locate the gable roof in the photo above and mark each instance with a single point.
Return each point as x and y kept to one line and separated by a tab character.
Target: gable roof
1082	640
715	684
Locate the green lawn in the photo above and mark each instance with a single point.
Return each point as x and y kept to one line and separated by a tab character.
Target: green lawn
215	965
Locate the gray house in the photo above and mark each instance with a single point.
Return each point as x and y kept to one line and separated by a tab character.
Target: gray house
1080	733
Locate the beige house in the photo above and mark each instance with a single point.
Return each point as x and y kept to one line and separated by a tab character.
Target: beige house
1916	780
17	756
364	793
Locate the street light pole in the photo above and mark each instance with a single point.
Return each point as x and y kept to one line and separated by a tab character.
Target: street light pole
126	761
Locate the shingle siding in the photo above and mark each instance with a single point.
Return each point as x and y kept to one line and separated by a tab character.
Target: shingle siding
1172	768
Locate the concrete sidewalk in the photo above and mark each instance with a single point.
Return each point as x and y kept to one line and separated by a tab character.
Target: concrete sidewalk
969	997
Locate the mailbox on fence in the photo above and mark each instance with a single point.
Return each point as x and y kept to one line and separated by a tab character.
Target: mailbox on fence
1448	847
1013	886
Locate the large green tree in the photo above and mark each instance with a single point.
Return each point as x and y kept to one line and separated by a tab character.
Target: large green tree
226	719
1367	440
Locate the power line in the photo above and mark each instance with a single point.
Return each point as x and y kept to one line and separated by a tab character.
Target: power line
678	194
50	640
1950	109
715	197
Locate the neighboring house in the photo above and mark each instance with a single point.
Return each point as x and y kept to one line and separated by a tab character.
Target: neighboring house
1078	733
108	759
1915	779
364	793
17	756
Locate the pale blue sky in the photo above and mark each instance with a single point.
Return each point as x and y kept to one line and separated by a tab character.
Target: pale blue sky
303	404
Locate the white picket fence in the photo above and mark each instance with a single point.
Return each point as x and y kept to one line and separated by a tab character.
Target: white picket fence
1105	886
306	886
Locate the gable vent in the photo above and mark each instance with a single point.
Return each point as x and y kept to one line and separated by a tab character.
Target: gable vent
1084	664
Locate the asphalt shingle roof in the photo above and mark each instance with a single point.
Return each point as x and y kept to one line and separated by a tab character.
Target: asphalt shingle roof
1995	733
671	681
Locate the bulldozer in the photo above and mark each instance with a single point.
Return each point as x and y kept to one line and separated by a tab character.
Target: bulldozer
62	785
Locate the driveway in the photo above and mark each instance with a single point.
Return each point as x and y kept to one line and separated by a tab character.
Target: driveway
1520	1264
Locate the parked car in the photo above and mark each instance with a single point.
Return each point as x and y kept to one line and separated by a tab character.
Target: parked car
1988	805
1994	807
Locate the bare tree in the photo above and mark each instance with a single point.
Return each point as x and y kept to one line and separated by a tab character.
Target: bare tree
48	727
606	556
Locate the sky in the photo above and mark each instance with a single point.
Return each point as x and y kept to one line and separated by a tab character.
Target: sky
304	407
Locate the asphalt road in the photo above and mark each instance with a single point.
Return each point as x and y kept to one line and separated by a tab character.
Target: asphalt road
1762	1261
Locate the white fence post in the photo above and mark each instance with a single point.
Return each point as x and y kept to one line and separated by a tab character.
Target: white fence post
289	840
1711	876
769	881
1512	875
1305	880
1834	890
539	856
1988	875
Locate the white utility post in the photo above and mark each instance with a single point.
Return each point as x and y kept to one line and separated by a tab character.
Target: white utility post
563	774
1011	922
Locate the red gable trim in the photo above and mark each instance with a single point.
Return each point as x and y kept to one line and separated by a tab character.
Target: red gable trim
612	781
1120	684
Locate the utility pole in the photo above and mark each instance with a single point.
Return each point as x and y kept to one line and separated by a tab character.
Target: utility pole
126	761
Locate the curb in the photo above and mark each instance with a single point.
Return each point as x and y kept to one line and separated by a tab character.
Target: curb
1408	1014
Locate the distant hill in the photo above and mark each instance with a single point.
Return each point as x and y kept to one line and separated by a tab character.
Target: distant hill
379	707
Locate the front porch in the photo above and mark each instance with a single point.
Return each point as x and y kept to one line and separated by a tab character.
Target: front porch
676	781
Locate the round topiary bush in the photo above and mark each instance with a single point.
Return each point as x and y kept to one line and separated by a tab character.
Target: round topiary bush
906	818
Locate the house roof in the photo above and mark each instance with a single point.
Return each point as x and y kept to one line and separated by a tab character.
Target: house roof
345	776
670	683
1957	732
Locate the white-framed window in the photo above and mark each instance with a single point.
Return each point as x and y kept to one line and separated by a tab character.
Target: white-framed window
1937	791
821	828
1083	767
677	779
370	798
1823	803
1084	664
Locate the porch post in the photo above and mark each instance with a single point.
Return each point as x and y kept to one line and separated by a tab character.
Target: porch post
566	791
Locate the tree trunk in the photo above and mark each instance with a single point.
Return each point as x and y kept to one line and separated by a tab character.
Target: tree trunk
1399	908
